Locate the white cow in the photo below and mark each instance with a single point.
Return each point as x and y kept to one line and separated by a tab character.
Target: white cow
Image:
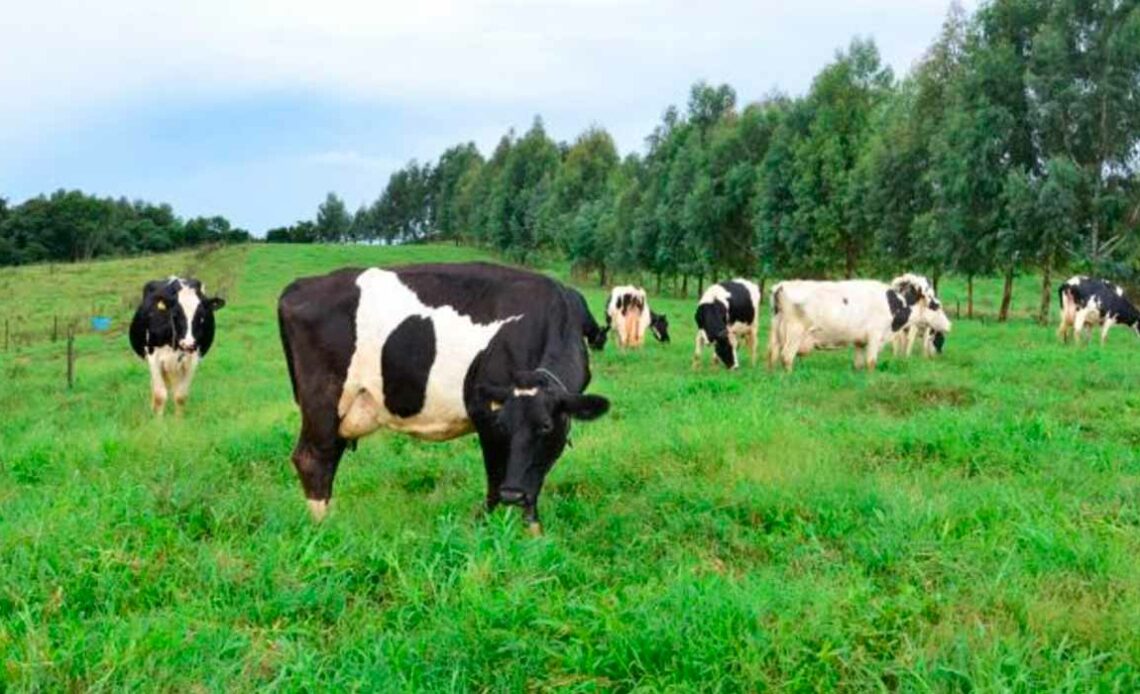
809	315
628	313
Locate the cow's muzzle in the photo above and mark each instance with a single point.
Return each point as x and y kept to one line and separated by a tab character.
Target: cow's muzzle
512	497
189	348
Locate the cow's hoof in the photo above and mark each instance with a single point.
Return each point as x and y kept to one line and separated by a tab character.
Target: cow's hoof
534	529
318	509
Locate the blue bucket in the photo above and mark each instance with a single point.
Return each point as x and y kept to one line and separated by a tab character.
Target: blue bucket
101	323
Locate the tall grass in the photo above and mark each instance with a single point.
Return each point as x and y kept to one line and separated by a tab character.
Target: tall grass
966	522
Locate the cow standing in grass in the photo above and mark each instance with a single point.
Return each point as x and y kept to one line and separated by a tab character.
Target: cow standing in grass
628	310
1087	301
436	352
173	329
914	288
728	311
810	315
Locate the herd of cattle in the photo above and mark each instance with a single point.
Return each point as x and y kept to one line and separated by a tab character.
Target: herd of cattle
439	351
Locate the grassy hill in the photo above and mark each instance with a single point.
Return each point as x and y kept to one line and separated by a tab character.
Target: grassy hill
967	522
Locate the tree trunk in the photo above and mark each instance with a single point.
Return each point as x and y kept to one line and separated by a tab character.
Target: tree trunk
1006	295
970	296
658	284
935	276
602	275
685	286
1046	292
700	282
762	280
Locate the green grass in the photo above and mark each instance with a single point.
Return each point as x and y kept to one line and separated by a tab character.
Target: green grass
971	522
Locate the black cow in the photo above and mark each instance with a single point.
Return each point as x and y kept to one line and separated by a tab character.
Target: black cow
173	328
595	334
1087	301
437	351
726	312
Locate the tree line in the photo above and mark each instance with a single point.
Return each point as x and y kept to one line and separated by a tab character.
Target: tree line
1012	146
71	226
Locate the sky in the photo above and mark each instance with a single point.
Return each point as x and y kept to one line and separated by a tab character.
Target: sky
256	109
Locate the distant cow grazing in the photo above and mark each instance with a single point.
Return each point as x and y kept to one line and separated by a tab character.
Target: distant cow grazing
628	310
173	328
810	315
913	288
437	351
1087	301
726	312
594	334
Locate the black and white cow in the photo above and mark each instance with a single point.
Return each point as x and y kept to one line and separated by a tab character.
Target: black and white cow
726	312
436	352
173	328
628	307
915	288
594	334
1088	301
808	315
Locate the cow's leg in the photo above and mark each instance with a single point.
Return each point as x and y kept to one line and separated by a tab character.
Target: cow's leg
697	345
157	386
791	337
911	335
773	342
751	337
317	456
873	347
860	357
182	381
1108	323
1079	325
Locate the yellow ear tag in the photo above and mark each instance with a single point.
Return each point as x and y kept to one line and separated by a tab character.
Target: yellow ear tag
496	406
161	305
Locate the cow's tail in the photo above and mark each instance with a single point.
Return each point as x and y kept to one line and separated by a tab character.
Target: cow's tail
282	326
777	295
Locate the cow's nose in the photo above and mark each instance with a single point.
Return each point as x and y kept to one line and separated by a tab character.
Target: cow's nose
513	497
188	346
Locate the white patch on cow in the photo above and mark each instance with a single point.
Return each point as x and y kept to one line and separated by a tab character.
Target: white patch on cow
385	302
526	392
1119	291
318	509
189	301
171	369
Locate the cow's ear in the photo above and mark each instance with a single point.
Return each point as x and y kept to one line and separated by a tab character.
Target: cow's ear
216	303
584	407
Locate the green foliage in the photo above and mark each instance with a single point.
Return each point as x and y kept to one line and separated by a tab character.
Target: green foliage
70	226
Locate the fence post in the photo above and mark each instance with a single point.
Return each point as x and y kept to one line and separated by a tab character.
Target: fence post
958	309
70	357
5	334
54	328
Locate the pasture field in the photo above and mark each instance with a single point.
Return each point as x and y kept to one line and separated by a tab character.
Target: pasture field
971	522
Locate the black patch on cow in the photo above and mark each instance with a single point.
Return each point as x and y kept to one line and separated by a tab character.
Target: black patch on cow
899	310
939	341
740	308
405	362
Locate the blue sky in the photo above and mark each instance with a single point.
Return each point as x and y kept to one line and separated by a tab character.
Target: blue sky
256	109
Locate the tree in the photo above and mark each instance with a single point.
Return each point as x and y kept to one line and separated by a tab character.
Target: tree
333	220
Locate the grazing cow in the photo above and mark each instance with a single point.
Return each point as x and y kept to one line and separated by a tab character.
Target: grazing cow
914	288
594	334
726	312
810	315
628	307
173	328
1087	301
436	352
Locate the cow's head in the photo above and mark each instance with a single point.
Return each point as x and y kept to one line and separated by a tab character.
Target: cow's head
659	324
939	341
712	317
534	415
597	341
929	313
177	312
